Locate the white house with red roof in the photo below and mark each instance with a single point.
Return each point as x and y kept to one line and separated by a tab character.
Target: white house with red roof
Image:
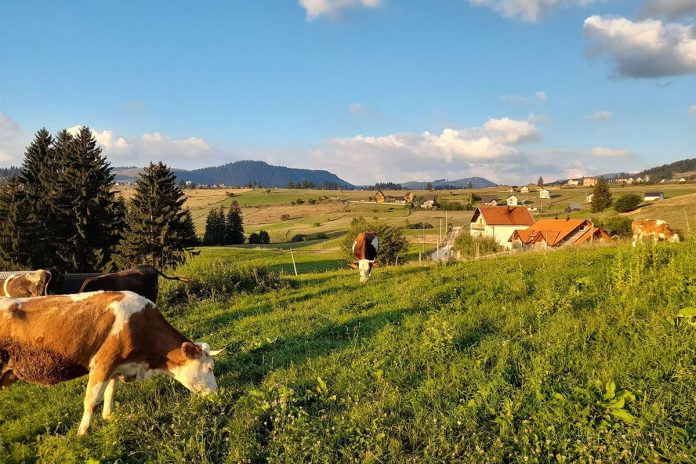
500	222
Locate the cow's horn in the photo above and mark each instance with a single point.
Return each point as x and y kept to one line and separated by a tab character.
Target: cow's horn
217	352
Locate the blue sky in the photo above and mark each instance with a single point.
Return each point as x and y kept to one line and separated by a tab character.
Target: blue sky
369	89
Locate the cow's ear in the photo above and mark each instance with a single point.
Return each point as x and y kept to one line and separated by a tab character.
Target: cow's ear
190	351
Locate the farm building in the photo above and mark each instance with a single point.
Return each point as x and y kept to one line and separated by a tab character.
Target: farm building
573	207
589	197
589	182
573	182
556	233
489	200
512	200
379	197
652	196
499	222
524	189
543	193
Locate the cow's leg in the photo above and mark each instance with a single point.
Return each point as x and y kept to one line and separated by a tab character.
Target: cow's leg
7	378
96	385
109	397
635	240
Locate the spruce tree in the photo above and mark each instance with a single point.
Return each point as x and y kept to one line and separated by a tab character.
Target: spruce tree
215	230
159	231
234	225
15	233
601	196
540	182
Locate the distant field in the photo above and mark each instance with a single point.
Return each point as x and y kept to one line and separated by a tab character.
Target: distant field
568	356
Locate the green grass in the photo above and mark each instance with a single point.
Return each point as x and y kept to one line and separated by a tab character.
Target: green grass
568	356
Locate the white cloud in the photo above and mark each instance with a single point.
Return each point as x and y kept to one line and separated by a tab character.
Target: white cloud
538	97
599	116
332	8
527	10
670	9
11	150
692	109
365	111
643	49
602	152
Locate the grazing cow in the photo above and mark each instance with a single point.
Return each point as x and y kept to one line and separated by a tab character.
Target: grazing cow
111	336
365	249
28	284
655	228
141	280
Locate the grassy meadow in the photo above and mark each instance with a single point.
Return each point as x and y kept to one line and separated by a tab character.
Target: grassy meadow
577	355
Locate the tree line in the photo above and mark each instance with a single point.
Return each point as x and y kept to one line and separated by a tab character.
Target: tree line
61	210
228	229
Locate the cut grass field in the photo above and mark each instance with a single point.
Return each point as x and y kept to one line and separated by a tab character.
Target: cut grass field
569	356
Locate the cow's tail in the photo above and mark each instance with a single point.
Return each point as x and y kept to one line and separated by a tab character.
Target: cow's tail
185	280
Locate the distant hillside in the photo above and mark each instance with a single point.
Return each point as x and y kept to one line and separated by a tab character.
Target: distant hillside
260	173
242	173
443	184
683	168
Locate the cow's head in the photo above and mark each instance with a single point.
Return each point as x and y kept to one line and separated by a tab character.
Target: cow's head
365	268
26	285
196	370
674	238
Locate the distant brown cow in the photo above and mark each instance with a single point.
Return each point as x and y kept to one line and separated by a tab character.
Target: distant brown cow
111	336
27	284
365	249
655	228
141	280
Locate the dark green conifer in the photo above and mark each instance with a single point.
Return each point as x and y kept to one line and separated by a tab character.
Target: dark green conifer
601	198
215	230
234	225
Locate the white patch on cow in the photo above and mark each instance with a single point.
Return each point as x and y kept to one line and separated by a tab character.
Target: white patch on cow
34	277
196	374
137	370
364	268
130	304
375	243
659	222
83	296
354	243
92	398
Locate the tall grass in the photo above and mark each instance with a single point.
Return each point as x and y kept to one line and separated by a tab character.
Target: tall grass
572	356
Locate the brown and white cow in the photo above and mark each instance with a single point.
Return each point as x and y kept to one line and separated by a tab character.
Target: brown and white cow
27	284
655	228
111	336
365	249
142	280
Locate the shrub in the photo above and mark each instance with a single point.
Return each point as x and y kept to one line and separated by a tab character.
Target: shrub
285	217
451	206
217	279
628	202
420	226
299	201
392	242
466	245
264	237
306	237
312	201
617	226
254	238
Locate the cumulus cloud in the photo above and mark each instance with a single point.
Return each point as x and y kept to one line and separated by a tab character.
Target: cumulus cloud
538	97
11	149
599	116
643	49
670	9
527	10
602	152
332	8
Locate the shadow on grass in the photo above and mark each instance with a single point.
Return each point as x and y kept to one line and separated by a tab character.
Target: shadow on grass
253	366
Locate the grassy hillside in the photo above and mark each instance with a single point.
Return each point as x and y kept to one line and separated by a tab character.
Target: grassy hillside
575	355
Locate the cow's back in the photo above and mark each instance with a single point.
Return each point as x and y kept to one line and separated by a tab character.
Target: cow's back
142	281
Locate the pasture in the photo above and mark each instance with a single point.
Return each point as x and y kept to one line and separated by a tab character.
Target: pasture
577	355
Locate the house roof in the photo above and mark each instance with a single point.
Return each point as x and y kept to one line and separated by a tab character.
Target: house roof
653	194
488	198
553	231
575	206
504	215
379	192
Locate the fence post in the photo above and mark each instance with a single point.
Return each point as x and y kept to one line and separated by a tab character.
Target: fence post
292	255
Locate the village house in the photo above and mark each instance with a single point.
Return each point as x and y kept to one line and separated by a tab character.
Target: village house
543	193
652	196
512	200
556	233
589	197
589	182
573	182
489	200
499	222
524	189
379	197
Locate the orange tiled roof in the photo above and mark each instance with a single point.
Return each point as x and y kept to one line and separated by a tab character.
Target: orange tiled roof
505	215
554	231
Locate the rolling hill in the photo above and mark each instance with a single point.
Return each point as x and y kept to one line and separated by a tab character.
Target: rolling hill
682	168
443	184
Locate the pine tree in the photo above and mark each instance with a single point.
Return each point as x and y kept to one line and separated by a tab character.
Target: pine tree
159	231
264	238
15	237
601	198
93	216
215	228
234	225
540	182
